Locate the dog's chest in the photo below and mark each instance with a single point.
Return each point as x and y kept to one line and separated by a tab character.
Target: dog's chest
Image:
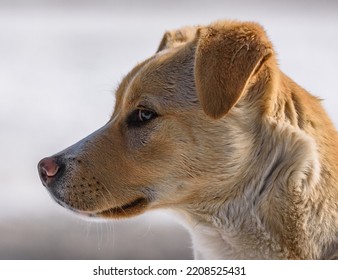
210	244
213	243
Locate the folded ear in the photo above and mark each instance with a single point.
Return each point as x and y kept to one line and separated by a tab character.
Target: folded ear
227	55
177	37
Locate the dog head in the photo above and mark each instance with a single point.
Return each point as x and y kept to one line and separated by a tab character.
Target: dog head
171	133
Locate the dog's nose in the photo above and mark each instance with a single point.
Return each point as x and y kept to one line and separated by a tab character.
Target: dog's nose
48	168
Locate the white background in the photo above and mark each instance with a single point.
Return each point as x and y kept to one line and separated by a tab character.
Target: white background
60	62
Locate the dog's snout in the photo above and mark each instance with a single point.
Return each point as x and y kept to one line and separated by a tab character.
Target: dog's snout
48	169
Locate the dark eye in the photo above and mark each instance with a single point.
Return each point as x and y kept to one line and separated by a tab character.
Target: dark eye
140	117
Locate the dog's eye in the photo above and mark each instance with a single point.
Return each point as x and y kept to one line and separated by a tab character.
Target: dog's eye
140	117
145	115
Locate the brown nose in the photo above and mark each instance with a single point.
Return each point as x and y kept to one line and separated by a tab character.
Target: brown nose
48	168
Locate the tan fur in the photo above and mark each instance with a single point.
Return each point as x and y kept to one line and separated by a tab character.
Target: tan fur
247	157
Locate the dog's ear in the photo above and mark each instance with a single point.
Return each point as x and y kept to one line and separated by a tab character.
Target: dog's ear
174	38
227	55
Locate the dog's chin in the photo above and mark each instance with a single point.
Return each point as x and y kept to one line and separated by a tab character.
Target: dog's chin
133	208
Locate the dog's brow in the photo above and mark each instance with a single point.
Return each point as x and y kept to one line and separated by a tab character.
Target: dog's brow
114	117
127	97
130	96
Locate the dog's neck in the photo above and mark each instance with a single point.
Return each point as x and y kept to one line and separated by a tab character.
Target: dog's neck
243	205
219	223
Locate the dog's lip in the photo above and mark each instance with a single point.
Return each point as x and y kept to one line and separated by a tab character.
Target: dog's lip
134	207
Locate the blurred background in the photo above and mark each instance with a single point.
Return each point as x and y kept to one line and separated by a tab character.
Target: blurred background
60	62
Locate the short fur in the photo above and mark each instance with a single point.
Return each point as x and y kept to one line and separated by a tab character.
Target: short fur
247	157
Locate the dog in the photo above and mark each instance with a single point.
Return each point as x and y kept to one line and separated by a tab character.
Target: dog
211	128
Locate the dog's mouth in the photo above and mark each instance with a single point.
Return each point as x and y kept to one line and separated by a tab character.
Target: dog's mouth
132	208
129	209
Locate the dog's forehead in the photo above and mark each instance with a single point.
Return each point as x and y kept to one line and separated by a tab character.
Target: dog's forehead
151	78
159	78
